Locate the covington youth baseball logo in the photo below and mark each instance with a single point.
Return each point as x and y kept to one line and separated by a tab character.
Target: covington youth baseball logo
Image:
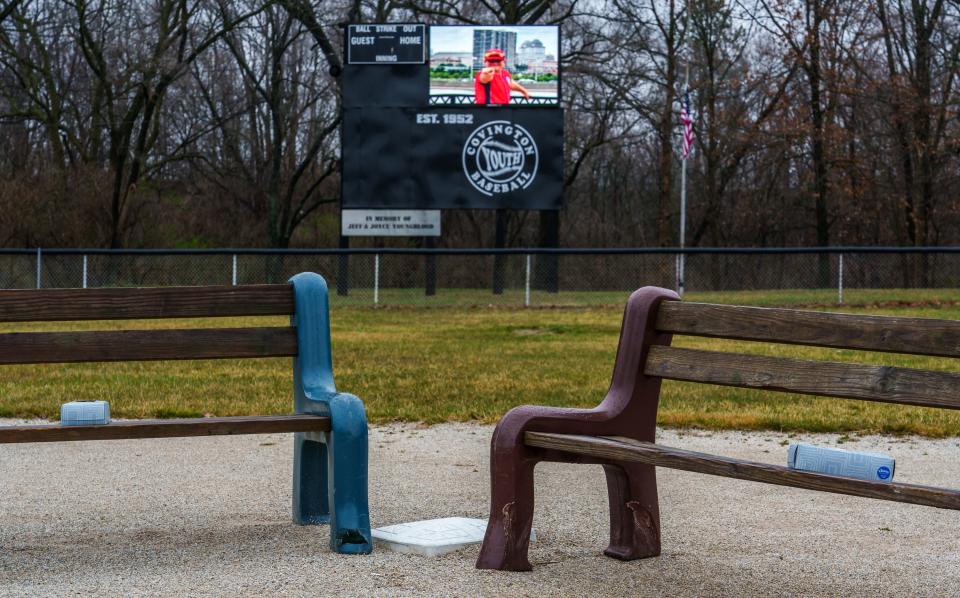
500	157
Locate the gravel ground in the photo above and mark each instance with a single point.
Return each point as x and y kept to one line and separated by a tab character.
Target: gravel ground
210	516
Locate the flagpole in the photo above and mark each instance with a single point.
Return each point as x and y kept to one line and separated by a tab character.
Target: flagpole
683	207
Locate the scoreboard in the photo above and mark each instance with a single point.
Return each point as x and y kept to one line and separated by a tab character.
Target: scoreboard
414	136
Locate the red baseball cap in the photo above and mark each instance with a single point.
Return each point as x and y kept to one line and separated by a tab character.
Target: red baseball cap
494	55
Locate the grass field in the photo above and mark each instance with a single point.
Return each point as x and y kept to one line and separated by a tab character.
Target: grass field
447	363
415	297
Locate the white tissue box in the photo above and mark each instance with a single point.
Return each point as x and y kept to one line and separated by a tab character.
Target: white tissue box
84	413
850	464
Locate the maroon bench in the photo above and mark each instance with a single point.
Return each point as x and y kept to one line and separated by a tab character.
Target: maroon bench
619	433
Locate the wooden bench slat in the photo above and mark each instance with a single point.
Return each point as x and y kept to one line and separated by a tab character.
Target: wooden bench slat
918	336
141	345
626	449
166	428
49	305
823	378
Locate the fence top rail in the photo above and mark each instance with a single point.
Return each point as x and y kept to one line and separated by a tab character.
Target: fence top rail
490	251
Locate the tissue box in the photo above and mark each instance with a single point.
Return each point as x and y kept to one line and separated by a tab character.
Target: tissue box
84	413
851	464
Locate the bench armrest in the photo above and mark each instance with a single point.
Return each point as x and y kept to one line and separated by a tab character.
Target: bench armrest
313	384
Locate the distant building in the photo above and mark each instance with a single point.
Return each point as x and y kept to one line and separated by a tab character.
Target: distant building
451	59
485	39
532	52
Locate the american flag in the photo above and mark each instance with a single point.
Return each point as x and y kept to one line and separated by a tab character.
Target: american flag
687	121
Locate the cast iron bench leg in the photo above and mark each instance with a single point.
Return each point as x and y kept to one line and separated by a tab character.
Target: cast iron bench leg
632	496
507	538
310	504
330	477
634	511
347	482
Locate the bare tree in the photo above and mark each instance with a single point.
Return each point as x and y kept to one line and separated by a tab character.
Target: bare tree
194	121
815	31
278	117
735	98
7	8
645	77
921	42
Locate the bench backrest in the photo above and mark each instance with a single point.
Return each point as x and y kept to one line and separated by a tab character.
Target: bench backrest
644	357
918	336
146	303
306	339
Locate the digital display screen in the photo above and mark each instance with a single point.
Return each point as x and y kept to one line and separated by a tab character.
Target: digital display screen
495	65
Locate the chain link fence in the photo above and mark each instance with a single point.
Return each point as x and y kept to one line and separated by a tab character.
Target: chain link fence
516	277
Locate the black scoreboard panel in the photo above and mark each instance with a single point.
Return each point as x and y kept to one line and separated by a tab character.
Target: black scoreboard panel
380	71
397	85
399	151
430	157
386	44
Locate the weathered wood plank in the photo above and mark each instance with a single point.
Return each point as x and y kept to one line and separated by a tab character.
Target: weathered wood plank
142	345
626	449
167	428
824	378
919	336
143	303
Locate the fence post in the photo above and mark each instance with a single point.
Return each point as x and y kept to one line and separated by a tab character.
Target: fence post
679	276
84	270
38	267
430	269
681	269
233	278
840	282
499	242
376	279
526	287
343	268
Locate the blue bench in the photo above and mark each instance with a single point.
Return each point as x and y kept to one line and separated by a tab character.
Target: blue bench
330	442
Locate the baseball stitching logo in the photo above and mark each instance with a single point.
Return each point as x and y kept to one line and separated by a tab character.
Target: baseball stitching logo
500	157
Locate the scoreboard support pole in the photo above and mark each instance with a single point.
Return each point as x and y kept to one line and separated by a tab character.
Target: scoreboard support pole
343	268
430	269
499	242
547	274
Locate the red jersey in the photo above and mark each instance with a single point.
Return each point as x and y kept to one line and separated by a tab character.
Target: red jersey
497	91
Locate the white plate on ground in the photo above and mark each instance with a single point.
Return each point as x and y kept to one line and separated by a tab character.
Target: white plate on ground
433	536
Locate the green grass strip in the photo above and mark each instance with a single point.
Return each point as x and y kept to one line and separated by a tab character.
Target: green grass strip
459	364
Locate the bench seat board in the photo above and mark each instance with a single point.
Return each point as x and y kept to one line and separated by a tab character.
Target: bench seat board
49	305
144	345
918	336
823	378
626	449
166	428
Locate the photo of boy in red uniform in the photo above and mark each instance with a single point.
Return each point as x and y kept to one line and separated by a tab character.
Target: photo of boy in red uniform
493	83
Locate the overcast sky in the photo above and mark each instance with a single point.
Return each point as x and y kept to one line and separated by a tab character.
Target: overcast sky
460	38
